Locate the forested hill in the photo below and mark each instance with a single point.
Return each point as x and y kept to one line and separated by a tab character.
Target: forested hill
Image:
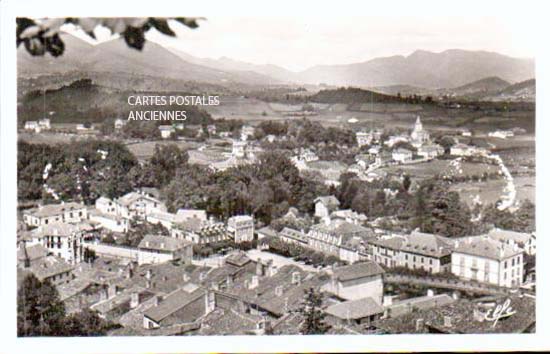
351	95
84	101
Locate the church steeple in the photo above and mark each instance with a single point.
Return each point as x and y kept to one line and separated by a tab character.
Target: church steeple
418	124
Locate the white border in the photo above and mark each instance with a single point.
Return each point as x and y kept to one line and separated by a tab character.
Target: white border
519	12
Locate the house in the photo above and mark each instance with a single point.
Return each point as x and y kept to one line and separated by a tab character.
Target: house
294	236
109	221
394	139
330	235
349	216
65	212
307	155
402	155
386	250
428	252
266	231
239	149
357	281
363	138
325	205
120	123
525	240
30	255
61	239
241	228
461	150
44	124
158	249
419	136
199	231
502	134
247	131
374	150
179	307
483	259
166	131
430	151
32	125
403	307
211	128
51	268
361	312
85	128
134	204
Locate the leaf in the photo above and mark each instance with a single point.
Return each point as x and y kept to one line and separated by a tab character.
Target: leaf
162	26
55	46
30	31
190	22
134	37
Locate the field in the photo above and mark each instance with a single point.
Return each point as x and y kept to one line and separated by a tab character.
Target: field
431	168
144	150
488	192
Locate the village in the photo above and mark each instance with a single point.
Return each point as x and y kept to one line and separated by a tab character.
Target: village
195	273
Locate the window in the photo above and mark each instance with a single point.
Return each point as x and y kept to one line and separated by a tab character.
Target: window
513	262
79	213
71	214
45	221
505	265
406	257
431	262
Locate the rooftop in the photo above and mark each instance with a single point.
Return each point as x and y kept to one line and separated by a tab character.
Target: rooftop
355	309
54	209
486	247
172	303
358	271
427	244
162	243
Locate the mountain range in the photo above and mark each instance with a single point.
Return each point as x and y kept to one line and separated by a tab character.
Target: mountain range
422	69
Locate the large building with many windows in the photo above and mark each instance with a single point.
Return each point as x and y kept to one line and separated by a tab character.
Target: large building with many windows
486	260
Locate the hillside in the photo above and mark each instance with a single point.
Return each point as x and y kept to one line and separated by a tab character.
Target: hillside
115	57
522	91
353	95
478	88
82	101
451	68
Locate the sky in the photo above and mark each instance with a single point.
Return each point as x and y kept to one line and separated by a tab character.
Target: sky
297	43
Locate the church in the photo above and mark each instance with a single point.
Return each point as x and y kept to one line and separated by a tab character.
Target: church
419	136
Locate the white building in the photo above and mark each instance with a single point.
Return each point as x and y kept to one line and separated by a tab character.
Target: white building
157	249
461	150
363	138
325	205
486	260
120	123
32	125
47	214
247	132
525	240
166	131
133	204
502	134
357	281
430	151
60	239
241	228
402	155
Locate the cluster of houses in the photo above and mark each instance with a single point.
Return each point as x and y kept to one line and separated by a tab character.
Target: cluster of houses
38	126
494	258
66	231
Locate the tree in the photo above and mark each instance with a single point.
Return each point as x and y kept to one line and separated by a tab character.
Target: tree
313	316
40	312
41	36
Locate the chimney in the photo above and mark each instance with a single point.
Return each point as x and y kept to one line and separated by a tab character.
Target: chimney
134	300
259	268
419	325
270	268
221	261
210	301
185	277
155	300
387	301
162	245
229	280
202	276
296	278
430	293
148	284
447	321
279	290
103	294
253	282
111	291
